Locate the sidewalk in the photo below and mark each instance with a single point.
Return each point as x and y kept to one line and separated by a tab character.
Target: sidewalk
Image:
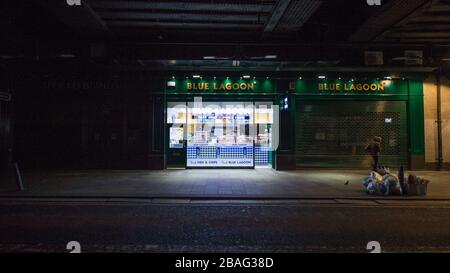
240	184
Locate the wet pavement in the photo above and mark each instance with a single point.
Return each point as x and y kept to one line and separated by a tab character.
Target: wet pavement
217	183
143	227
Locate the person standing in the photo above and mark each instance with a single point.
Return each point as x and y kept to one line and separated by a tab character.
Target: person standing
374	149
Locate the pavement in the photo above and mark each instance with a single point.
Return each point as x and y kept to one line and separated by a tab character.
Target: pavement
210	184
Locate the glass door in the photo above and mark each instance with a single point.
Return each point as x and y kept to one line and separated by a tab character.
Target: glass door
176	130
264	120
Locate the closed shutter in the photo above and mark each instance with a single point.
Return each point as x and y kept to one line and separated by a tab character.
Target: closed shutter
335	133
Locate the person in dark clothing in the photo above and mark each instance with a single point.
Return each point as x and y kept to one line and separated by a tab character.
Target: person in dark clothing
374	149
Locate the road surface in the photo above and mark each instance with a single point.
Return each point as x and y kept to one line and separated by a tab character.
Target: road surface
219	227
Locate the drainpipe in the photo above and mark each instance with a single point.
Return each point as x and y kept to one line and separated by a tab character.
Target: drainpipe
439	120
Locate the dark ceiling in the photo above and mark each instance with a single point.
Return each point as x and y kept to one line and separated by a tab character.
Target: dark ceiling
194	21
303	30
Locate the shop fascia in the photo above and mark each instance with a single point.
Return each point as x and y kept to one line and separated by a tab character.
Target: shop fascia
352	86
222	86
245	83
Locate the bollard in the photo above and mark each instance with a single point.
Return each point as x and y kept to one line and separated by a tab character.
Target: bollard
18	177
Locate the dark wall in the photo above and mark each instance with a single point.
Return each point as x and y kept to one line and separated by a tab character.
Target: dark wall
5	130
156	122
58	128
47	130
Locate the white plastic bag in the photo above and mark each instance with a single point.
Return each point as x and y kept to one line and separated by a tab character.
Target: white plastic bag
393	184
376	177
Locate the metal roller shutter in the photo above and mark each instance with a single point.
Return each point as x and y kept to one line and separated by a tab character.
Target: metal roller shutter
335	133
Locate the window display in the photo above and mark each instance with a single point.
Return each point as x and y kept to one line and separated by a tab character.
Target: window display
176	138
176	119
176	113
222	134
219	135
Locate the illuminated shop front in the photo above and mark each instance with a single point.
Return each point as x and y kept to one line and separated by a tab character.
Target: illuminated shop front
289	124
215	130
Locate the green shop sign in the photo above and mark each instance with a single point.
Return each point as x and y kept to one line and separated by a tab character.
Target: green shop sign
352	87
220	86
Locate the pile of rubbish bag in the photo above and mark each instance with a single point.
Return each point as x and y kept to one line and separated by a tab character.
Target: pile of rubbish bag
416	185
382	182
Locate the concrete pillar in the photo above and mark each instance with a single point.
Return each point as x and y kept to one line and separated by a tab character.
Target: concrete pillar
431	125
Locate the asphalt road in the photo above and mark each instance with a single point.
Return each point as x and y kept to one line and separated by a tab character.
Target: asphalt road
142	227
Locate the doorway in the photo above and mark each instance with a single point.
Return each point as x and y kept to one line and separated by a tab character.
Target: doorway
219	134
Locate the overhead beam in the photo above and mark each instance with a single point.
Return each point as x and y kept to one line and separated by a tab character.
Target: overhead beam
430	18
181	25
297	14
435	41
390	14
281	67
423	27
264	7
418	12
421	34
277	14
250	18
441	7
